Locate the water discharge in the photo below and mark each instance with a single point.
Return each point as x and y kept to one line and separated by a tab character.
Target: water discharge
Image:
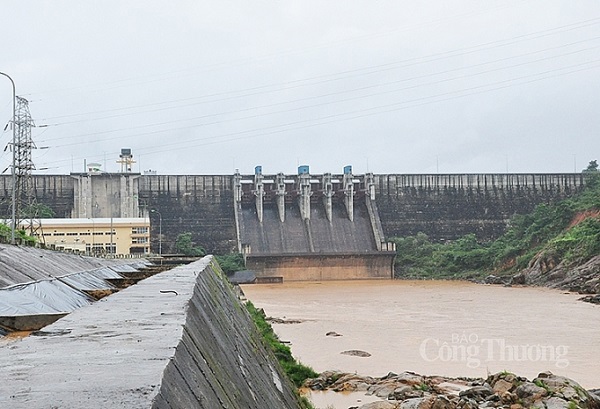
435	328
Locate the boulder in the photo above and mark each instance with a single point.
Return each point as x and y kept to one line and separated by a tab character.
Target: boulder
403	392
356	352
492	279
418	403
382	391
442	402
378	405
477	393
530	393
556	403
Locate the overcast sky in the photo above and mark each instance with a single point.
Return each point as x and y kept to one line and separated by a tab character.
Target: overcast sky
388	86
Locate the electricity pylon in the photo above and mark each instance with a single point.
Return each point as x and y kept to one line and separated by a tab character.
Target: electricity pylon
26	204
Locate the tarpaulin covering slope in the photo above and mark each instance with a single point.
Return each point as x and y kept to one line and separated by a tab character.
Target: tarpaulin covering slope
41	297
86	281
25	264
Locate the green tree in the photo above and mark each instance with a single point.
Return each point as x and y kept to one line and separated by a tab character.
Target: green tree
185	245
592	166
37	210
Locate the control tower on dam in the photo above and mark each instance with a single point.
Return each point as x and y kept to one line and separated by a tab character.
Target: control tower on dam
311	227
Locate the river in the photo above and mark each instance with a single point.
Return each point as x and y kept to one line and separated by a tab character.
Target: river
436	327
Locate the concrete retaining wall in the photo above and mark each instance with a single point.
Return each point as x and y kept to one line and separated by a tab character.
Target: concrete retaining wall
179	339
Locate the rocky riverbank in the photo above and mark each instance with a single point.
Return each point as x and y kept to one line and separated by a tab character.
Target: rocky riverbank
547	272
409	390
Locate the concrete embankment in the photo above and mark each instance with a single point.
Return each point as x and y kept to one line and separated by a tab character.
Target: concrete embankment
179	339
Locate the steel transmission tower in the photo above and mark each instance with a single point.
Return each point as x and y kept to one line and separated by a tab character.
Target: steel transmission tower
25	205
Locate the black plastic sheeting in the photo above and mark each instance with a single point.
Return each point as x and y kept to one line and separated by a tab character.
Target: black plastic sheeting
36	282
86	282
41	297
20	265
62	294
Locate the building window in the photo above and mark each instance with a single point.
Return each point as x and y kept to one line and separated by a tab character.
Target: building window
139	230
139	240
98	233
72	234
59	234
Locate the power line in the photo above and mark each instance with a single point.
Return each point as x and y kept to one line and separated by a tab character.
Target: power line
244	61
337	101
368	70
351	115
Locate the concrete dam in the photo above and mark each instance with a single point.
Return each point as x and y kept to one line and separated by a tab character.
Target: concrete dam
323	218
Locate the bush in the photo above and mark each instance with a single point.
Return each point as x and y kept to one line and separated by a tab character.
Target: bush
184	245
294	370
230	263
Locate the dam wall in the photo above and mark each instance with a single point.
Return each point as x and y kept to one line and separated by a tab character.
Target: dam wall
444	206
201	205
179	339
447	207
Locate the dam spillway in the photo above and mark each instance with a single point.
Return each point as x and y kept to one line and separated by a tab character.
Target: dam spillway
311	227
316	234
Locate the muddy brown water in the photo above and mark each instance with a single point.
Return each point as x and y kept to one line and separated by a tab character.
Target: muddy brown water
436	328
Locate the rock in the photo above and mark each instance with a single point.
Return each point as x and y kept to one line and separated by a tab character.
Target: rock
406	392
502	386
465	403
518	279
556	403
356	352
594	299
530	393
410	378
595	392
323	381
442	402
382	391
477	393
409	390
506	397
450	387
378	405
333	334
389	375
352	382
565	392
418	403
492	279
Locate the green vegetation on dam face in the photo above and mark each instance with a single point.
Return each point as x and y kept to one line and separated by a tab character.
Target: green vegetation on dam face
563	234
